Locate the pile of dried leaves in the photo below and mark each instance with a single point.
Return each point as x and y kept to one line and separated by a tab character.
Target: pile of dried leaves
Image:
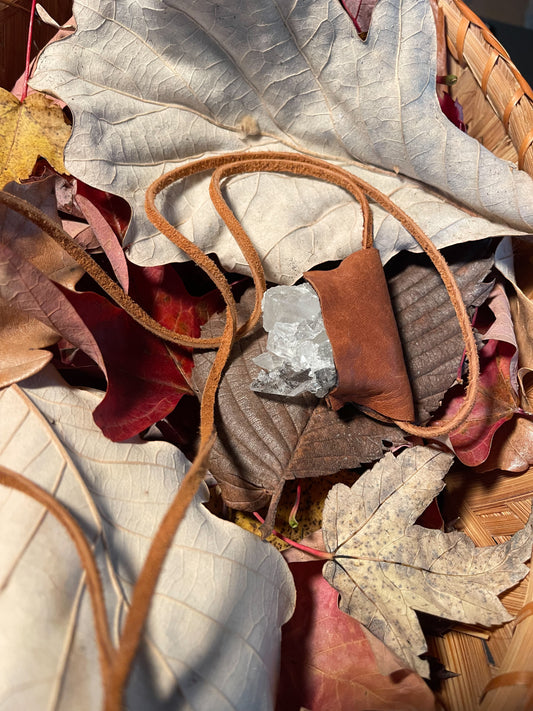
103	414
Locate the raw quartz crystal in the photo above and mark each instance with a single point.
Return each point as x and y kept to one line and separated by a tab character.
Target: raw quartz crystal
299	357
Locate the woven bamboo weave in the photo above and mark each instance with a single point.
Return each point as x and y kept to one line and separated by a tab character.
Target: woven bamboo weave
494	667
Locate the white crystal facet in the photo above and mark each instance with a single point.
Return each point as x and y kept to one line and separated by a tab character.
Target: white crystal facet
299	357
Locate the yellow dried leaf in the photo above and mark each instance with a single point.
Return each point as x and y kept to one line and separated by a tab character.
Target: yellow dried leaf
33	128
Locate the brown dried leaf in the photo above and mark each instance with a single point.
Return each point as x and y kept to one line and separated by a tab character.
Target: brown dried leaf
385	566
512	447
22	337
428	326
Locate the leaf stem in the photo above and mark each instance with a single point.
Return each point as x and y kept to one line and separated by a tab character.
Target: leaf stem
293	523
312	551
28	54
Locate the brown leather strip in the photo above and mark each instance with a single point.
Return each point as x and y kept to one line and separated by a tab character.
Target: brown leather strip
513	101
464	24
362	329
514	678
489	66
524	147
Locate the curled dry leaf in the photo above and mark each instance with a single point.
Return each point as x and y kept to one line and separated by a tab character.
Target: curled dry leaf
328	662
496	402
385	567
512	447
36	127
221	588
277	76
23	337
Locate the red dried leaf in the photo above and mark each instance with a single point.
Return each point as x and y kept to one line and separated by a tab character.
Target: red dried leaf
107	239
146	376
495	404
452	110
328	663
360	12
114	209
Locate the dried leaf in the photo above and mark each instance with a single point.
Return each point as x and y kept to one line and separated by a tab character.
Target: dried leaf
29	290
385	567
36	127
106	238
146	376
303	81
22	338
327	662
496	403
220	589
512	447
360	12
430	334
302	438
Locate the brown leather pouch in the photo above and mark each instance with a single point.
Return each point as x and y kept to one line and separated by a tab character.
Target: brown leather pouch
362	329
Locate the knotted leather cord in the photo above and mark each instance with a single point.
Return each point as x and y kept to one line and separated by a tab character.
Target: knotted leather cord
116	674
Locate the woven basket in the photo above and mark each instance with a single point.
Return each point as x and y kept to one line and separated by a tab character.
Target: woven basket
494	667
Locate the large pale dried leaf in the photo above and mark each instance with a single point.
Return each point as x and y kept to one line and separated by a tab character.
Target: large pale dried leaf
212	78
22	338
385	566
328	663
36	127
213	634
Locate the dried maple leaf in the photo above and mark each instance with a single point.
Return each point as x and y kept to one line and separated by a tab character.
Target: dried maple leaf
306	82
36	127
328	662
385	567
146	376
